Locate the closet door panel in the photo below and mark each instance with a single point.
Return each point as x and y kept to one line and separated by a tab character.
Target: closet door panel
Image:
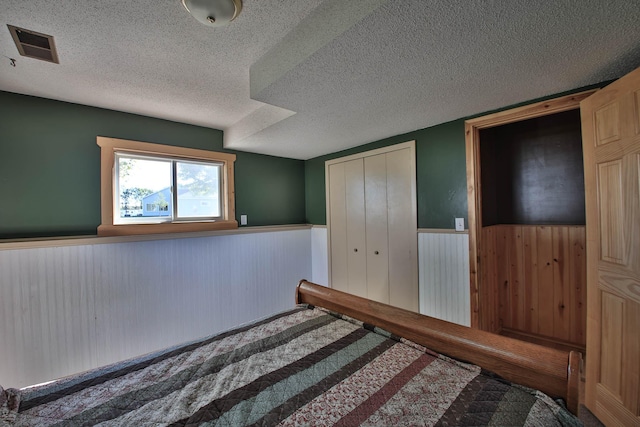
402	236
355	216
338	228
375	192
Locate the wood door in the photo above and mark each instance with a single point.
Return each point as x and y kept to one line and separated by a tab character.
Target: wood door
611	139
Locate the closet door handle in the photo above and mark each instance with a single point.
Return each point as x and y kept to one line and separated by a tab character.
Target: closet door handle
376	252
355	249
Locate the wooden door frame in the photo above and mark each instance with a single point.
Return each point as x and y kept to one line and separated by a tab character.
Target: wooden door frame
474	196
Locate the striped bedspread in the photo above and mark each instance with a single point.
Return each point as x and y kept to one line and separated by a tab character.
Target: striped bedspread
306	366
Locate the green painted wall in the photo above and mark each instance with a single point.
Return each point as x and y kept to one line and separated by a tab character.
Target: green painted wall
50	175
441	171
269	190
440	175
50	167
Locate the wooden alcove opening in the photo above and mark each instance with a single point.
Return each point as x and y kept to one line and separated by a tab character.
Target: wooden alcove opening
489	306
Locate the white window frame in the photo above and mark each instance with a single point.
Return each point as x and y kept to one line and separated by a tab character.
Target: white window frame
109	198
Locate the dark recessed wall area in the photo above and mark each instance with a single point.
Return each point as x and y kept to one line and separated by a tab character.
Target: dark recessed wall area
532	172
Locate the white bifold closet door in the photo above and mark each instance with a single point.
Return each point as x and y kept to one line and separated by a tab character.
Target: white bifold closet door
355	220
371	213
376	212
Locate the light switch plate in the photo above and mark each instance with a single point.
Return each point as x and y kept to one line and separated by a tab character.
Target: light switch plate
459	224
243	220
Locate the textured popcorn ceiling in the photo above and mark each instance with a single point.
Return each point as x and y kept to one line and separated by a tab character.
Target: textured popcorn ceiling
301	78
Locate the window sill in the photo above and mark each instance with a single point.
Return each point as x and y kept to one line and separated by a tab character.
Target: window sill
164	228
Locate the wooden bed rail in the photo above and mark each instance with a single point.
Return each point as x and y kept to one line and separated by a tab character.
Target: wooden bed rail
554	372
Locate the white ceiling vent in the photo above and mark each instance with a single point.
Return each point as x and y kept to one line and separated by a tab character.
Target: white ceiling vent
34	45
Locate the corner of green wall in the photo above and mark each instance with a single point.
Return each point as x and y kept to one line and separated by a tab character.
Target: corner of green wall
50	167
269	190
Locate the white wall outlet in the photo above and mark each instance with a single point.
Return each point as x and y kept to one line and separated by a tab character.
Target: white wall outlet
243	220
459	224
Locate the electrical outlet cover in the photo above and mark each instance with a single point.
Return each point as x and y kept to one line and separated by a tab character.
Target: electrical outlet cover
459	224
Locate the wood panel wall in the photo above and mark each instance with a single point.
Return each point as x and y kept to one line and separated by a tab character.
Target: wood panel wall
535	280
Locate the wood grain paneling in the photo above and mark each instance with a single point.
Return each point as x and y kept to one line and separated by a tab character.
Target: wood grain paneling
530	243
577	284
516	277
609	176
488	300
536	274
561	286
545	281
607	121
503	268
631	389
611	411
611	354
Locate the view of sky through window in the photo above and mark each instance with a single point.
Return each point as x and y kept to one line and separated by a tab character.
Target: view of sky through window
144	187
198	187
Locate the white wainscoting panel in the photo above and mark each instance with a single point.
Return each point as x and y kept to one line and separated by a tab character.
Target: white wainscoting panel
319	260
68	309
443	260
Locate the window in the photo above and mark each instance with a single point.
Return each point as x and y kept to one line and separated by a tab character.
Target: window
151	188
169	189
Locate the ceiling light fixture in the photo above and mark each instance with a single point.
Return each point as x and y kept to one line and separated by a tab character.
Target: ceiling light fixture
214	13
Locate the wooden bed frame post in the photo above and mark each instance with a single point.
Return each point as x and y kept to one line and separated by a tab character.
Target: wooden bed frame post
555	372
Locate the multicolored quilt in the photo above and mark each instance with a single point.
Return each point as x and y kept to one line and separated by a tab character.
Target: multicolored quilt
306	366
